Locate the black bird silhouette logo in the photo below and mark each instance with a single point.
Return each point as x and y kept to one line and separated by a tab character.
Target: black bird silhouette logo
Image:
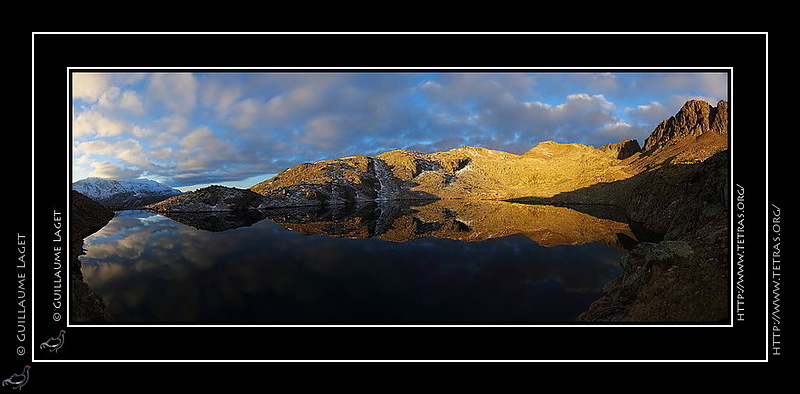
18	380
53	343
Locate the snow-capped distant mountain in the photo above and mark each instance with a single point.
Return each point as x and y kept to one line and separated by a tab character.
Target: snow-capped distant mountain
124	193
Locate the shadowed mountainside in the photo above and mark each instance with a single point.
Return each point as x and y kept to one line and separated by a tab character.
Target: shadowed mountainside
86	218
685	277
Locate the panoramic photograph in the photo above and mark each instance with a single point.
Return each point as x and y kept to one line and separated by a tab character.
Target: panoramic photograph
399	197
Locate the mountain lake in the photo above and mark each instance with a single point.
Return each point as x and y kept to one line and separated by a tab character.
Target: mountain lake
442	262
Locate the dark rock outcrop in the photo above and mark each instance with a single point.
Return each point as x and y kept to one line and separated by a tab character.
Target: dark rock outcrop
688	204
86	217
622	150
211	199
679	202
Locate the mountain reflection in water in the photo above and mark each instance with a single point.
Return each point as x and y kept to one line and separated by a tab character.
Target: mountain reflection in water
447	261
463	220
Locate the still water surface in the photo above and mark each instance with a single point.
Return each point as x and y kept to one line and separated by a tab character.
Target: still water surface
442	263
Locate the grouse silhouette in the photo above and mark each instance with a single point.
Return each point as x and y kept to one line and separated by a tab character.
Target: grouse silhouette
54	343
18	379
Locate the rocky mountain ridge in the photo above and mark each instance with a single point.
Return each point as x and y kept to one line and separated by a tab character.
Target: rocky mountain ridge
694	134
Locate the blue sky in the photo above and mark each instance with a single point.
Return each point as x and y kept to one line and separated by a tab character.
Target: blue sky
189	130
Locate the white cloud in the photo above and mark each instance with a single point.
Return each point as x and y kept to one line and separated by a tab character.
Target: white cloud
648	113
201	149
292	103
219	96
96	147
172	124
81	160
131	153
163	154
109	97
323	132
201	137
131	102
105	169
114	99
279	110
245	114
89	123
189	165
620	130
173	91
142	132
89	86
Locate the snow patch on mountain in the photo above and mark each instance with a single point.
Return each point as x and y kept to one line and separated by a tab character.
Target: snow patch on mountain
124	193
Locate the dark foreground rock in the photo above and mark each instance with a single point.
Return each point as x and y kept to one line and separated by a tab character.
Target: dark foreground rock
86	218
684	278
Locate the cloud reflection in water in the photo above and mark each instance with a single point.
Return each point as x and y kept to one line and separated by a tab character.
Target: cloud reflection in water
151	269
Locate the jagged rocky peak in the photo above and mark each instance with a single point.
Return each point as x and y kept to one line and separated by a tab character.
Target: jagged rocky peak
694	119
622	150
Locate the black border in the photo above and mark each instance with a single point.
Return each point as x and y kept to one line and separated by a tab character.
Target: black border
52	53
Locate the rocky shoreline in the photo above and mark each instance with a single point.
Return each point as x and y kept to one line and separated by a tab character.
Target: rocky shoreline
685	277
87	217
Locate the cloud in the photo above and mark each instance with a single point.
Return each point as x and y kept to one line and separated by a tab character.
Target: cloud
324	132
219	126
499	119
203	139
172	124
106	169
496	109
685	84
654	112
93	123
163	154
477	88
246	114
220	94
142	132
202	150
95	147
648	113
129	151
130	101
173	91
89	86
132	154
114	98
